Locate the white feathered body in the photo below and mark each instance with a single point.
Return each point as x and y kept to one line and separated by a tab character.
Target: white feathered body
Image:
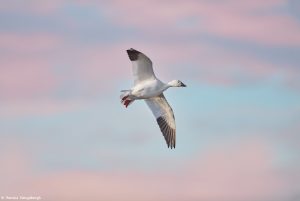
148	89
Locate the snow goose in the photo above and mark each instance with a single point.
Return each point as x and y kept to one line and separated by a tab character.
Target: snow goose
148	87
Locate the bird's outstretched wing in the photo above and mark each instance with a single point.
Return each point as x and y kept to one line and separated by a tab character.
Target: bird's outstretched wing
165	118
141	66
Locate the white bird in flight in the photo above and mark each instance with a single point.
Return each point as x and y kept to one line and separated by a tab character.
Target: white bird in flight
148	87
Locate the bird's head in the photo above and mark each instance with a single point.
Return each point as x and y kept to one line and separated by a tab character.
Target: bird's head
176	83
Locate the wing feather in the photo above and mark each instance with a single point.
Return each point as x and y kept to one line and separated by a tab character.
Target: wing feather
165	118
141	66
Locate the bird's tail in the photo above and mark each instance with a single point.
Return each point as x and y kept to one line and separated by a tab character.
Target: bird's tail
125	98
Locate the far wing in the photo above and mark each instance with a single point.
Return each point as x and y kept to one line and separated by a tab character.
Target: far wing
164	117
141	66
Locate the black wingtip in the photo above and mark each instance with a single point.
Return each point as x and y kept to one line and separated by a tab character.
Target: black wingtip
133	54
168	133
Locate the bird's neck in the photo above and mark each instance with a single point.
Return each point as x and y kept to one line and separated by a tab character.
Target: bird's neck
170	84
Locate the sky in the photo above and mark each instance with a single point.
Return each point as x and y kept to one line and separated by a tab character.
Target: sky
65	136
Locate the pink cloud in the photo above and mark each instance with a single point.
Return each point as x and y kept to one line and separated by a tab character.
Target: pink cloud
27	73
37	67
25	78
40	107
269	30
95	66
104	63
237	20
251	21
237	171
16	163
26	43
33	66
26	70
